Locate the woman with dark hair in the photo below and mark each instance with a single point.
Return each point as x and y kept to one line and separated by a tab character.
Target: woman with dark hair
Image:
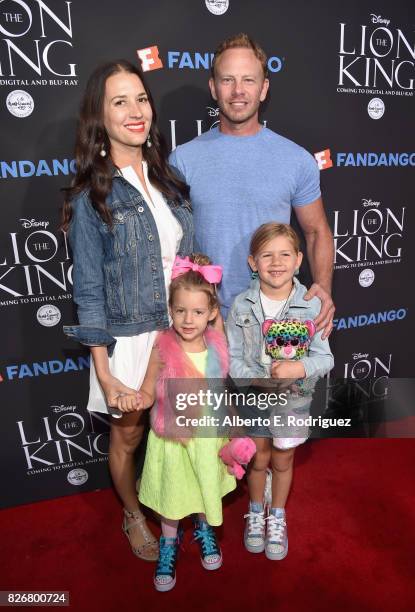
127	217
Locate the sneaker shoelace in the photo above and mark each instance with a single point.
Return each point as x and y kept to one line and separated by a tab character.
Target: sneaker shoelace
166	559
256	523
275	528
207	539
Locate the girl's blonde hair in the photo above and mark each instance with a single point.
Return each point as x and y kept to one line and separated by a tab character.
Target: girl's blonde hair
268	231
195	282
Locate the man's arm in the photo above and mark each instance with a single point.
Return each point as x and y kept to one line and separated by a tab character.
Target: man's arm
320	254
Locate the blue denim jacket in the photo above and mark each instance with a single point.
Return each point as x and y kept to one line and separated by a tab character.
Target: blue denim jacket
118	281
244	331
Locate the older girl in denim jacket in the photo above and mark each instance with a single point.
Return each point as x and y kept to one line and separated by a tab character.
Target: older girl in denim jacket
127	217
275	295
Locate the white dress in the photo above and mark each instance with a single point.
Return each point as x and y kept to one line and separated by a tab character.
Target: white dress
131	354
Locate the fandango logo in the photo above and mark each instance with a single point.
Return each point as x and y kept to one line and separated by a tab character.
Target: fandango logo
42	167
374	318
323	159
44	368
198	61
193	60
375	159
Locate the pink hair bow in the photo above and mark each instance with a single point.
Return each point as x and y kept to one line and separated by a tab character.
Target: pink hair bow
213	274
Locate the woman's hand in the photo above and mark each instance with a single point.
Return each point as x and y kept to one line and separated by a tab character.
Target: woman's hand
119	395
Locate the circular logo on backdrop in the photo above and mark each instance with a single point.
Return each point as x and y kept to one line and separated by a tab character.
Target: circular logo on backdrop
70	425
217	7
376	108
361	370
48	315
20	103
77	477
366	277
49	246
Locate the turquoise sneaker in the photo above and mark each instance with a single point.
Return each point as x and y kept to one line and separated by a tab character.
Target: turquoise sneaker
165	574
210	553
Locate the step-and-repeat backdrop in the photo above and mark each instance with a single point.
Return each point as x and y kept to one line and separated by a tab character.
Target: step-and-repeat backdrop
342	85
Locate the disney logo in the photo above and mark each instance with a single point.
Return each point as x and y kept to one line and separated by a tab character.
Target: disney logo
379	19
366	202
63	408
212	112
360	355
27	223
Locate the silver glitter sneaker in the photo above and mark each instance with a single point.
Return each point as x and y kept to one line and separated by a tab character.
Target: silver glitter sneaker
254	535
276	541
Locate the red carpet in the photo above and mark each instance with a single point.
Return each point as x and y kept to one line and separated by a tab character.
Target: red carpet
351	517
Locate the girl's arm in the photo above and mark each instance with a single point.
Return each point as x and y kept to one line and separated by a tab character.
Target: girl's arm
235	335
290	370
320	359
147	391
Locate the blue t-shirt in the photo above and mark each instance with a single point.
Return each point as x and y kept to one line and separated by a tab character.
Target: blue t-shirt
236	184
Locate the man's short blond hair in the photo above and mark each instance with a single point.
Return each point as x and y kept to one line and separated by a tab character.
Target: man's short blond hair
241	41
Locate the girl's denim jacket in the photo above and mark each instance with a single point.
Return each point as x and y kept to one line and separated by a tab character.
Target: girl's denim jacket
118	280
244	331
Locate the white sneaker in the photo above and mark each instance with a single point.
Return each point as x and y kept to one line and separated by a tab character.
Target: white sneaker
276	541
254	535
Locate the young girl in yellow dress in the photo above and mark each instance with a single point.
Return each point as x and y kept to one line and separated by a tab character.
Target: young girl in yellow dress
184	475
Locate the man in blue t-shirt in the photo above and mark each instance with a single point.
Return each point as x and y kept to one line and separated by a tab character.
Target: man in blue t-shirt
242	175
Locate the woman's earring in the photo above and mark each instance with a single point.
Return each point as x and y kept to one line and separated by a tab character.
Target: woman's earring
103	152
148	142
296	271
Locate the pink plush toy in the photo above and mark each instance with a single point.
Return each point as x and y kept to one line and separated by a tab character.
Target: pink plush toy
236	452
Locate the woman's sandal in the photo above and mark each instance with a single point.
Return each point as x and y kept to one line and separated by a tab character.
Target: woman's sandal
148	551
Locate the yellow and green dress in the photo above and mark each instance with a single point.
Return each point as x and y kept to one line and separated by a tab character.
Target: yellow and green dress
184	478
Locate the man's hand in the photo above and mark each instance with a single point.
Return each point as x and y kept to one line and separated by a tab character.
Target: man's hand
324	320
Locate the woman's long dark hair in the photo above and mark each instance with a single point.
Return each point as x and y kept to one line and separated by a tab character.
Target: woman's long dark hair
94	172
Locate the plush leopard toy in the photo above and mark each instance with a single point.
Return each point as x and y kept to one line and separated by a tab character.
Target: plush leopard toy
287	338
